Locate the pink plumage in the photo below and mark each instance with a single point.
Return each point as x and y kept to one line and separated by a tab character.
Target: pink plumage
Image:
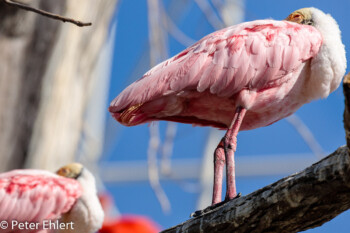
35	195
202	84
239	78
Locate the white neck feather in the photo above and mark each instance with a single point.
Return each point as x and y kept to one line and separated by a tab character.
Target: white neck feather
328	67
87	214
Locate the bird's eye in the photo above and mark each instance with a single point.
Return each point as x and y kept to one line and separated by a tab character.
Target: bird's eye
310	22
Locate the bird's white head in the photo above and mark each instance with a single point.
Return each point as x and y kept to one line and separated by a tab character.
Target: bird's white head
87	213
331	54
314	17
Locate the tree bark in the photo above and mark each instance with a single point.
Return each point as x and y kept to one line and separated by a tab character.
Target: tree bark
68	84
295	203
346	89
46	80
26	42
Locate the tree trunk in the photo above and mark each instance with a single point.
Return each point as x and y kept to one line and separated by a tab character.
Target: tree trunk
45	80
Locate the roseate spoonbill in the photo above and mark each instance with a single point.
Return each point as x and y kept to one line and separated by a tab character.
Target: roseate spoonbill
35	197
240	78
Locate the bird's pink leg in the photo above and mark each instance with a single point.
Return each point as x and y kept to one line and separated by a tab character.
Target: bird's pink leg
230	144
219	163
224	152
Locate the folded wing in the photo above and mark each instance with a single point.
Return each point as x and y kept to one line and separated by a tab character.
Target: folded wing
33	195
251	55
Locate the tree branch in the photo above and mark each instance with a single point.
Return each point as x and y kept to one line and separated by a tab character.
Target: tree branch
346	89
295	203
45	13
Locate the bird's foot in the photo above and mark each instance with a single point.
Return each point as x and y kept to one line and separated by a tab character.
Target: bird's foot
212	207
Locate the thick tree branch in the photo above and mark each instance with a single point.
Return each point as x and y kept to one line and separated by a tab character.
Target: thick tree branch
295	203
45	13
346	89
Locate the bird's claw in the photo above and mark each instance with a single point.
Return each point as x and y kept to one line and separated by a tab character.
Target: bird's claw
237	196
198	213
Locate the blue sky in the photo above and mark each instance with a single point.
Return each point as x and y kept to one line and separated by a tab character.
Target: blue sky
323	117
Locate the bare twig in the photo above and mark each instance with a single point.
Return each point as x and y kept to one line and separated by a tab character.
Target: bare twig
295	203
209	13
217	5
153	167
157	37
306	134
230	11
165	161
167	148
45	13
158	52
173	30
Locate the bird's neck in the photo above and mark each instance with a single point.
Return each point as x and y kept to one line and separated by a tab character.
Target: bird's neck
328	67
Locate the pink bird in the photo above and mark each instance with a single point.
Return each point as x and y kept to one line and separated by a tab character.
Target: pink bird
239	78
38	201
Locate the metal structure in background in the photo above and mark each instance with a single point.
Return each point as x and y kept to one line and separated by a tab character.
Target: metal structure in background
191	169
158	52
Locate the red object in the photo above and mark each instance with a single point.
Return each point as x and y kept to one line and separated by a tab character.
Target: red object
130	224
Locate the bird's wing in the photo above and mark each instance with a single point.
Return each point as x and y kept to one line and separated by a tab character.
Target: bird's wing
33	195
250	55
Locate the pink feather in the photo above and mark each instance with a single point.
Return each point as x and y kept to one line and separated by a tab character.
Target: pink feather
204	82
34	195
